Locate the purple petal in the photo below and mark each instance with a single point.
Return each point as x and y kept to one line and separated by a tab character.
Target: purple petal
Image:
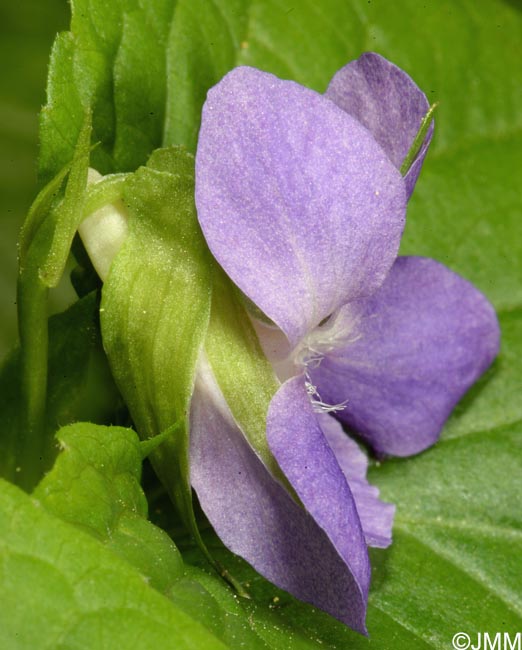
376	516
257	519
401	359
388	103
307	460
297	201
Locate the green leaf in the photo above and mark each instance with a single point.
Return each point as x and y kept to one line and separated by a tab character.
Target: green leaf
200	52
95	485
465	212
111	62
79	594
155	311
188	47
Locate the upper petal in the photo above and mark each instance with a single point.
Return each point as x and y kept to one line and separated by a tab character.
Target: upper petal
401	359
388	102
297	201
256	517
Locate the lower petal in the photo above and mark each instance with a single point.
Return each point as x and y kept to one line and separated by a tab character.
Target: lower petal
376	516
257	519
405	356
303	453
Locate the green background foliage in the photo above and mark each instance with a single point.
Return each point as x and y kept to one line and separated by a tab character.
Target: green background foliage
455	561
27	31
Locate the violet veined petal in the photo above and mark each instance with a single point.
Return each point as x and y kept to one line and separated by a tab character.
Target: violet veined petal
400	360
297	201
257	519
307	460
376	516
388	103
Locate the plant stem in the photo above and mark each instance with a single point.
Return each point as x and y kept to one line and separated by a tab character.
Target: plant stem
33	331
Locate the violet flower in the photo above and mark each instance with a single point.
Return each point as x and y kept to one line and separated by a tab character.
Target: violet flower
301	201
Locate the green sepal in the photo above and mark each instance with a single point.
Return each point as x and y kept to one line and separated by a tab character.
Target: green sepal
68	214
242	370
148	446
108	189
39	210
418	140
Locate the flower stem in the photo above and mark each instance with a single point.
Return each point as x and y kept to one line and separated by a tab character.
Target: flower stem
32	319
150	444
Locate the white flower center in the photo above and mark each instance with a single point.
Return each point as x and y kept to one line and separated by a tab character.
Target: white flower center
338	331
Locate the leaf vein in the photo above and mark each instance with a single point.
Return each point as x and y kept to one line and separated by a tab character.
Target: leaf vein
462	524
505	427
404	624
503	594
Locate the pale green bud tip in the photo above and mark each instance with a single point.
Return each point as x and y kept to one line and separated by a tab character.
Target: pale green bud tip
104	231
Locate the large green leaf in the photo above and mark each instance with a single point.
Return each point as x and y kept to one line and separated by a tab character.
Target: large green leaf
113	62
75	593
95	485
